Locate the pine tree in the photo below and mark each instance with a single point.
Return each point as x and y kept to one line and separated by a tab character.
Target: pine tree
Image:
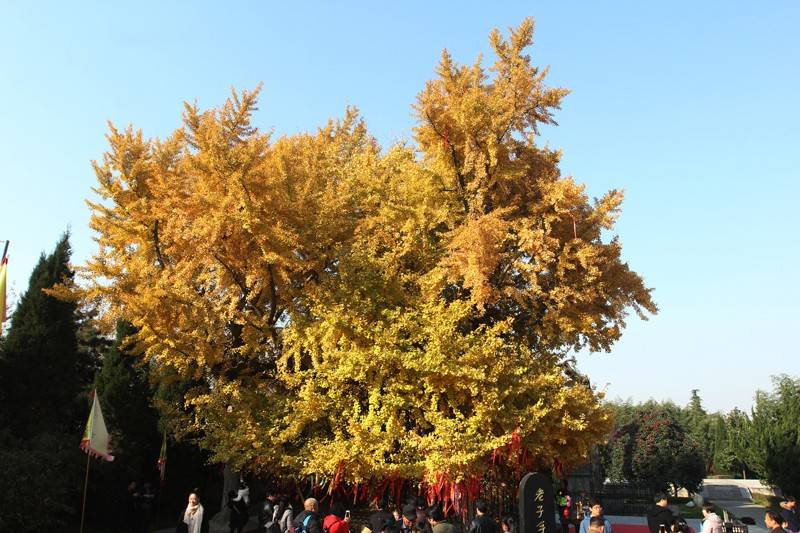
40	409
39	358
92	344
774	434
122	382
698	425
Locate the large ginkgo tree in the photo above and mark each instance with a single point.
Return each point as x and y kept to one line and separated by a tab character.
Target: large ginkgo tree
364	313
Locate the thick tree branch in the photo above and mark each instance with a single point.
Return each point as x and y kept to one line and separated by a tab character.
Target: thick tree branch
454	156
157	246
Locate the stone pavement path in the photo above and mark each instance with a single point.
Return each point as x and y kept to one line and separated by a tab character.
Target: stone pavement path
726	493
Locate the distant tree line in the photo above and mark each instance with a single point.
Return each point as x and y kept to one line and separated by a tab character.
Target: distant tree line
663	446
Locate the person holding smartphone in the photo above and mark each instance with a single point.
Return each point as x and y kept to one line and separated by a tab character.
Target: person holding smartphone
660	518
338	521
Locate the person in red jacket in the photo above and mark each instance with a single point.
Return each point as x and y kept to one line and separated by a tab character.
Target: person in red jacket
336	522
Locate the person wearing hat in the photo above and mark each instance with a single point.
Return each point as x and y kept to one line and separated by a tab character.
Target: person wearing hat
409	517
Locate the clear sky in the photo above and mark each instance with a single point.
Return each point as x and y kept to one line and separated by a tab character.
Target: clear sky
691	107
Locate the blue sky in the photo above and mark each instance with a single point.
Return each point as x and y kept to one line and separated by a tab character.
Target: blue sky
690	107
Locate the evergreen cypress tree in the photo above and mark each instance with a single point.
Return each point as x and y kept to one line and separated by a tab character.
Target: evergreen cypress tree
41	412
39	380
774	434
127	401
697	423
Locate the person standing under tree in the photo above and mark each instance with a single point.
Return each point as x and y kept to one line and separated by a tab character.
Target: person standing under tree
194	520
482	523
337	521
284	514
132	515
380	518
595	511
564	504
508	524
790	515
308	521
660	515
238	517
267	512
437	521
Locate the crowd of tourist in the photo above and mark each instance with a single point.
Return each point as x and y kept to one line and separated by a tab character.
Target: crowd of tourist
276	514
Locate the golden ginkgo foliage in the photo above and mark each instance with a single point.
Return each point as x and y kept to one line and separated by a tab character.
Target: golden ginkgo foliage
370	314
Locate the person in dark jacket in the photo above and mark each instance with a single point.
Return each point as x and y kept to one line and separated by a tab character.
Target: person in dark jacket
308	521
132	510
409	517
790	515
422	525
437	521
380	518
482	523
508	524
267	511
238	517
660	515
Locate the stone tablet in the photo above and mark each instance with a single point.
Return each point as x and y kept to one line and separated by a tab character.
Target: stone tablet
537	504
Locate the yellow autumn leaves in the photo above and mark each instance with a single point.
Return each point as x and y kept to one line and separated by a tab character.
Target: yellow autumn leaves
338	308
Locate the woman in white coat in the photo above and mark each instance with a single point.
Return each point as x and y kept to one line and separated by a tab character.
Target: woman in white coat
712	523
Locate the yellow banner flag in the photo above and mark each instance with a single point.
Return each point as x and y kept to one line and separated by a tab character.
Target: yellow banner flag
96	441
3	269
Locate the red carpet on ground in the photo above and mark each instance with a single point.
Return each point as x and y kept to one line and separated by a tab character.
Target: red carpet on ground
628	528
618	528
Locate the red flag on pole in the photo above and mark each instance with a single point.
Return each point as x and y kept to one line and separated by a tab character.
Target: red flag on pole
161	464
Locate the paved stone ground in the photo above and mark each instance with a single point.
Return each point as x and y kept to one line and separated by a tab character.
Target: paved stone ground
726	493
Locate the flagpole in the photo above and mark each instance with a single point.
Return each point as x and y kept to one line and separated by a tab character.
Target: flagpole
85	486
3	274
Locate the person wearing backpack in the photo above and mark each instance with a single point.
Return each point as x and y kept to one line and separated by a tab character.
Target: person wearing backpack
308	520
